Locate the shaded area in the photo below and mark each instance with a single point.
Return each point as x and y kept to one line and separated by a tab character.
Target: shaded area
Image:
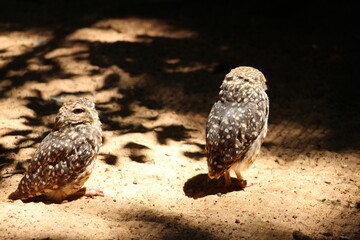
8	155
172	226
200	186
198	155
306	53
154	224
42	109
136	152
195	155
174	132
109	158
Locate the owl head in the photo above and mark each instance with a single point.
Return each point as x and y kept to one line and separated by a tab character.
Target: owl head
216	170
75	112
246	77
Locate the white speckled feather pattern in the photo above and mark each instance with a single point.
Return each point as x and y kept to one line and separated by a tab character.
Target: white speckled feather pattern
237	123
65	158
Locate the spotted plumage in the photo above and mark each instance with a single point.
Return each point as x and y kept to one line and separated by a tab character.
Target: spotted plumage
237	124
65	158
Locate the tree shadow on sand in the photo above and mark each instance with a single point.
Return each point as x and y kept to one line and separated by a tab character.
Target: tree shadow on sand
307	67
137	153
109	158
200	186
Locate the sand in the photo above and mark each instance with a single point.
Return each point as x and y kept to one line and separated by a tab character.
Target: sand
154	70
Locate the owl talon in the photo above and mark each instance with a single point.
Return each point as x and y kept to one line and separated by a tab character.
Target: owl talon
93	192
242	184
228	183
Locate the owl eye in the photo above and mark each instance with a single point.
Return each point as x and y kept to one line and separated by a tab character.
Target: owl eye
78	110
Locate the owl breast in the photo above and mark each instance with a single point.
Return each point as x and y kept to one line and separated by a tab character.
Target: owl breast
79	165
65	158
62	163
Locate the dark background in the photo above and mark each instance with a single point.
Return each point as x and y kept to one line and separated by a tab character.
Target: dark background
307	51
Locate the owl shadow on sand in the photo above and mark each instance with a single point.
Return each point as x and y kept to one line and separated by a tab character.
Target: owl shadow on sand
201	186
45	200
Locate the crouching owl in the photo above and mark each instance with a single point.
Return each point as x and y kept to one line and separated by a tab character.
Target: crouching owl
65	158
237	124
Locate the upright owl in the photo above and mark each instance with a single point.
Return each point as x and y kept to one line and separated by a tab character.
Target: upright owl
65	158
237	124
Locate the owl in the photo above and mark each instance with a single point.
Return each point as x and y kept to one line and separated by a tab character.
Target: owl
65	158
237	124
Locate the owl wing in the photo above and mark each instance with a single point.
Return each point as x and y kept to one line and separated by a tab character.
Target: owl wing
57	162
231	129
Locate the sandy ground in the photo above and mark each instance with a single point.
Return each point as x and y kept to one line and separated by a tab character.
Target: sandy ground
154	69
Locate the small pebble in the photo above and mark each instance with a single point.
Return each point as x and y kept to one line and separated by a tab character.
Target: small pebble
344	166
219	194
237	220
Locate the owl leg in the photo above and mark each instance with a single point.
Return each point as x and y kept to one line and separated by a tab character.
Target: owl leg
90	192
227	179
242	182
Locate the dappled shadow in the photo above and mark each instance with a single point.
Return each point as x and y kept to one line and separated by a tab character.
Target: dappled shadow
174	132
200	186
197	155
7	155
144	222
41	106
308	55
172	226
17	132
137	153
109	158
5	158
308	65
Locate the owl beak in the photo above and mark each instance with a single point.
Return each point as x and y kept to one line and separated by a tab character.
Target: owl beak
91	117
213	174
